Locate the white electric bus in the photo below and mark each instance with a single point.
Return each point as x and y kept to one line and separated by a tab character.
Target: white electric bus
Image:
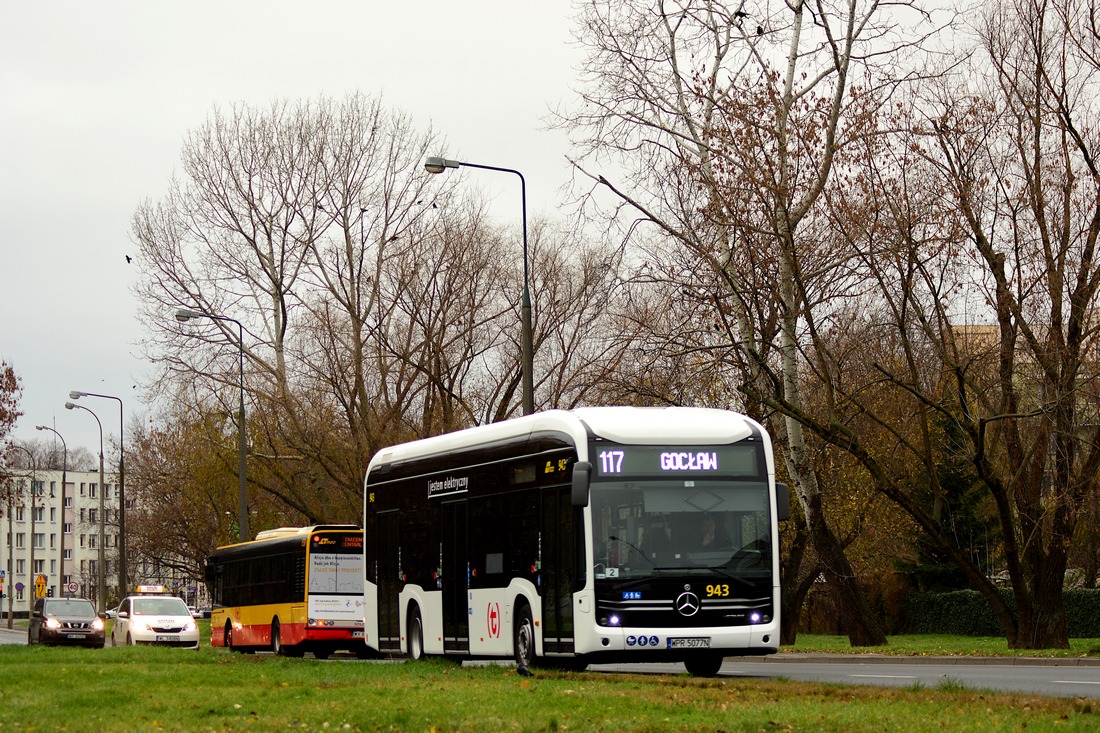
604	534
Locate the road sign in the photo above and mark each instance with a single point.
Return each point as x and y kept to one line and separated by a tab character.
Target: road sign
40	586
19	586
72	587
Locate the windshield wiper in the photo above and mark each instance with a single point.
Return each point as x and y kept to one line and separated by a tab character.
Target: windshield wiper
632	546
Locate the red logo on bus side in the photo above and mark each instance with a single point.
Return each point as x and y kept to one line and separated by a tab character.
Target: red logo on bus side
494	620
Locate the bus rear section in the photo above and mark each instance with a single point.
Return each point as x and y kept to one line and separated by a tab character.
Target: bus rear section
291	591
614	534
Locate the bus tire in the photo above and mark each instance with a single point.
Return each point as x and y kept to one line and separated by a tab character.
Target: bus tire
276	638
414	637
523	636
227	640
704	666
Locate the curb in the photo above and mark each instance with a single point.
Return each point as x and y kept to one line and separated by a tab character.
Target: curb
812	658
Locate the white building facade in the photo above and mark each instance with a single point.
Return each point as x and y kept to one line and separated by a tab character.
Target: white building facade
53	535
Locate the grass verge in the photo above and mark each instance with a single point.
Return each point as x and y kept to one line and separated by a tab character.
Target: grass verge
214	690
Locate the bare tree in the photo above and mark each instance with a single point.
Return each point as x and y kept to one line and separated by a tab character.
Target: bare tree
729	121
375	304
994	194
245	235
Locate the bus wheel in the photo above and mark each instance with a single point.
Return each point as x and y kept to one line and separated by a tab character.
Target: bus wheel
414	641
704	666
276	639
227	641
524	637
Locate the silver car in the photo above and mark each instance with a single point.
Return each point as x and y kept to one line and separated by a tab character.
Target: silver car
151	619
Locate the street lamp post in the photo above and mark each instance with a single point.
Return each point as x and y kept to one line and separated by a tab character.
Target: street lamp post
61	534
101	571
31	584
122	583
439	165
183	315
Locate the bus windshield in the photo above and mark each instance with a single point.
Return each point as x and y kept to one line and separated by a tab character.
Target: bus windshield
646	528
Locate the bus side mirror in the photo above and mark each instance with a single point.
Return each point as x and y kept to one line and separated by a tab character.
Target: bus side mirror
582	471
782	502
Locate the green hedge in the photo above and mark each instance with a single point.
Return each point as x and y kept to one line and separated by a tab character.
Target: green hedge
967	613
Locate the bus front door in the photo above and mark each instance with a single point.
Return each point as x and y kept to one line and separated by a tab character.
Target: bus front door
456	617
559	567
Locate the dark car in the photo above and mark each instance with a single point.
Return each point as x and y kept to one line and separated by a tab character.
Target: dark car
65	621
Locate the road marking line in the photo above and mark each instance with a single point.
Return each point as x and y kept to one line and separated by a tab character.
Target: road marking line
1075	682
885	676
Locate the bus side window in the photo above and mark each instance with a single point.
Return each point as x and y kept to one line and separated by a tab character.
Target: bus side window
521	526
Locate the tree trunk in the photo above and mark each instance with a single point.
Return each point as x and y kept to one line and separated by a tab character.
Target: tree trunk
856	617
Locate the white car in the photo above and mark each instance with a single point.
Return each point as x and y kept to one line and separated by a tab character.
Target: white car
151	619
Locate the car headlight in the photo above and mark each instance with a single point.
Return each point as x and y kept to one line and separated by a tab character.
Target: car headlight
52	623
97	624
190	626
141	626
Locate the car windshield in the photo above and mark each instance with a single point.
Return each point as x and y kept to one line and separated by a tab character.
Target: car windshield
70	608
160	607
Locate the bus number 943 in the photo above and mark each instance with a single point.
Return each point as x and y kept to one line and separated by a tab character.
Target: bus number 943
718	590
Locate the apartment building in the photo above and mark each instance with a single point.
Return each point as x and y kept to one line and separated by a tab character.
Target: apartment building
53	536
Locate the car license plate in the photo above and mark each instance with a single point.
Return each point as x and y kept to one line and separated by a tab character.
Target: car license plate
168	637
690	643
74	636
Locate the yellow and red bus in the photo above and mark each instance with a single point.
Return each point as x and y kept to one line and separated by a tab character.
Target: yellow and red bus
291	590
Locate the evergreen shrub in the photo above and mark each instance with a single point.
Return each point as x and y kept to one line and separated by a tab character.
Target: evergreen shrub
967	613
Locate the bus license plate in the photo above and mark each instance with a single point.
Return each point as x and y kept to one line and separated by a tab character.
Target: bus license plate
690	643
165	637
357	634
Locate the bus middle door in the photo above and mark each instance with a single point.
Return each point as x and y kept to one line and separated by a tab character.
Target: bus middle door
389	582
455	567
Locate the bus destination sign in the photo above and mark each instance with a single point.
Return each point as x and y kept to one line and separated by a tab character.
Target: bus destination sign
675	460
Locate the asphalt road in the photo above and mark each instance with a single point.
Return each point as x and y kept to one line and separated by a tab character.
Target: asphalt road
1049	677
17	635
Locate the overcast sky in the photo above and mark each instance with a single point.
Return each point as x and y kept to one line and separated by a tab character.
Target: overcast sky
95	99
